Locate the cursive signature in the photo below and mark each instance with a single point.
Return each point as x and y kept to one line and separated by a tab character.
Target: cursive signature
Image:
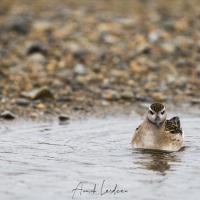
80	189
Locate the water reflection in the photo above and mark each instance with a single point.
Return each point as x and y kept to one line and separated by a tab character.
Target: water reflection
155	160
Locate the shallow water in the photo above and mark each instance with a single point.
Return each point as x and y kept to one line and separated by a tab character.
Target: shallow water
47	161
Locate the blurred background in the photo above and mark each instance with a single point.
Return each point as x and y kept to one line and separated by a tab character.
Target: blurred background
68	55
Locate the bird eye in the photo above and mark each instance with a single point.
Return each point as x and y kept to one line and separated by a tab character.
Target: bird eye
162	112
151	112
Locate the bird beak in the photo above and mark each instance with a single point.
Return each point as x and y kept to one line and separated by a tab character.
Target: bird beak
158	122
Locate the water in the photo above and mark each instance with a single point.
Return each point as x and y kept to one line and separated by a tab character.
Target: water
46	160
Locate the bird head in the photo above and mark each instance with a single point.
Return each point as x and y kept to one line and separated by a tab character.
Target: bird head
157	114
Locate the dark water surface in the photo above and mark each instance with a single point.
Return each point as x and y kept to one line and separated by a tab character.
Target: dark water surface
46	160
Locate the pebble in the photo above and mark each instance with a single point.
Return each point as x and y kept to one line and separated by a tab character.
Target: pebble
97	55
8	115
108	38
78	51
63	119
154	36
105	103
168	47
33	115
37	58
79	69
195	100
22	102
111	95
36	47
127	95
40	106
41	93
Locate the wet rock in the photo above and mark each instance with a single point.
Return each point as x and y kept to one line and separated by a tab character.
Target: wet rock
41	93
195	100
22	102
8	115
64	118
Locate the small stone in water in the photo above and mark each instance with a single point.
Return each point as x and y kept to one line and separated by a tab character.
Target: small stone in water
64	118
33	115
8	115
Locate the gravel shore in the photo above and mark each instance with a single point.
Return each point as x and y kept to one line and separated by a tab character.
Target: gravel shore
82	57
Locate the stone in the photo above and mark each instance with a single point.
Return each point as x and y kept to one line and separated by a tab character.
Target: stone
108	38
111	95
168	47
8	115
37	58
63	117
41	93
22	102
79	69
36	47
195	100
33	115
40	106
154	36
127	95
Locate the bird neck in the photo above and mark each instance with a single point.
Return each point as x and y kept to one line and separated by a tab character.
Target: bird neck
162	125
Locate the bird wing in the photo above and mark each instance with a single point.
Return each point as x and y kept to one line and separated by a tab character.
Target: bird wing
173	126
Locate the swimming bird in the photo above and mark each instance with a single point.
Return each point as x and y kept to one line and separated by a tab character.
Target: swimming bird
156	132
